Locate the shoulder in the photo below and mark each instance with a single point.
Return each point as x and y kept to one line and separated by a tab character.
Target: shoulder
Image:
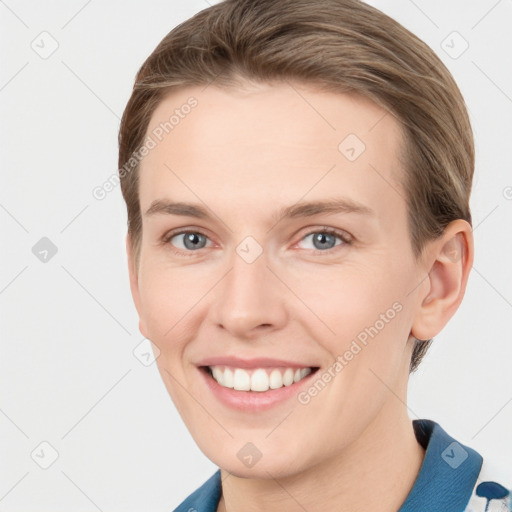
454	477
490	493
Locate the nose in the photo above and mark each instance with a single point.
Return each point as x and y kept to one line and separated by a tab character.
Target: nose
250	300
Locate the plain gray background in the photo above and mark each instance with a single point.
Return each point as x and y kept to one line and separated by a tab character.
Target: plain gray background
69	376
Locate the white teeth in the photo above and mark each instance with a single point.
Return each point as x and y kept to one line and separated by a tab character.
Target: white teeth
218	375
288	377
241	380
304	372
228	380
276	379
259	379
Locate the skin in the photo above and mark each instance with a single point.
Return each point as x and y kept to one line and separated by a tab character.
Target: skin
245	153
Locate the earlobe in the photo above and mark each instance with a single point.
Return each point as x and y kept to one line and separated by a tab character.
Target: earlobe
451	259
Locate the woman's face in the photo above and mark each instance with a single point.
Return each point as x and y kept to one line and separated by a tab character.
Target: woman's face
262	285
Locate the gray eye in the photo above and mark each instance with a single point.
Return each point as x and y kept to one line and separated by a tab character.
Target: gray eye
191	240
322	240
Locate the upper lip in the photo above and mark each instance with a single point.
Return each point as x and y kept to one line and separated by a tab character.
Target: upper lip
258	362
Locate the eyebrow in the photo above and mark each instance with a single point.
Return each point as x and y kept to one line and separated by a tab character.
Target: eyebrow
298	210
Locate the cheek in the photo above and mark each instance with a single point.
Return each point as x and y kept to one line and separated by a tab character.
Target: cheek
167	295
361	315
347	299
167	301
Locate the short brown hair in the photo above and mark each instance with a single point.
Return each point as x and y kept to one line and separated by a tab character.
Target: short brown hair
343	46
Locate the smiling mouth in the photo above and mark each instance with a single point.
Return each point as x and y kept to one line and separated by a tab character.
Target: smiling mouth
256	379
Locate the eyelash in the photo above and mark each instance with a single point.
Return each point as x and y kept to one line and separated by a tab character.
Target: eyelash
326	231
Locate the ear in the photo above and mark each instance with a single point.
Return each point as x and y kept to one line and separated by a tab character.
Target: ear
133	270
449	258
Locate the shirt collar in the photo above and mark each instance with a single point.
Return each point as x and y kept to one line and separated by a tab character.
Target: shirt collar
447	475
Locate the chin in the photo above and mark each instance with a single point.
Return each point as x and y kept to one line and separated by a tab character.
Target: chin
263	466
261	470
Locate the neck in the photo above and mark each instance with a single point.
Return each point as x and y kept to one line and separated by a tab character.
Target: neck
376	472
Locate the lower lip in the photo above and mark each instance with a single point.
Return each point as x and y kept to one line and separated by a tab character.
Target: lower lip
251	401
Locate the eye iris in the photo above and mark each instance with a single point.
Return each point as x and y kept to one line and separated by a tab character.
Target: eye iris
321	239
192	238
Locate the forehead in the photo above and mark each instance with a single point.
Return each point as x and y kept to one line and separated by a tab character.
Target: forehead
276	142
258	113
